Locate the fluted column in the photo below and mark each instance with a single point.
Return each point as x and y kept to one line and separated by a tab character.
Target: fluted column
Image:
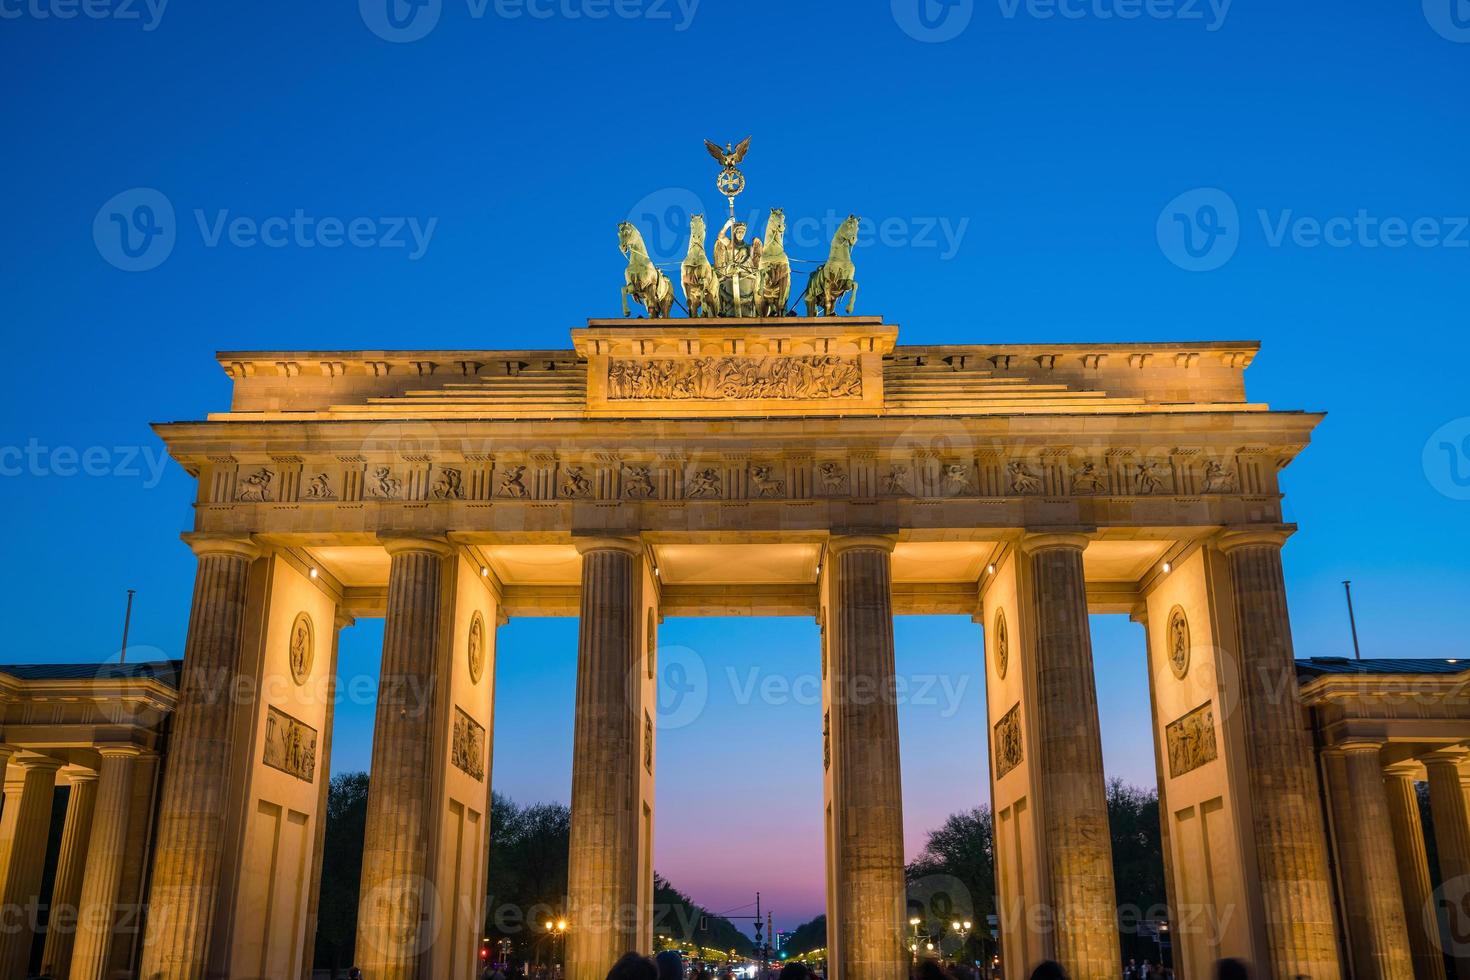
191	818
97	909
24	856
1372	899
1286	814
865	756
70	865
602	882
1068	762
1407	828
396	891
324	775
1451	818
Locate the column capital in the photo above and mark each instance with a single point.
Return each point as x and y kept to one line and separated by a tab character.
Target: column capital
119	751
81	776
1448	756
1269	536
1407	769
587	545
1037	541
40	763
205	543
404	544
838	543
1356	743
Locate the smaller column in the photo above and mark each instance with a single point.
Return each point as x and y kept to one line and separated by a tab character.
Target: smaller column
865	758
61	920
1407	829
1371	896
602	875
24	855
190	839
1452	839
1286	822
1071	790
106	852
396	890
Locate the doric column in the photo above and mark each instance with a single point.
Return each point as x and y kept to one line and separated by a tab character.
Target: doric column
1451	819
396	879
70	864
97	909
324	775
1372	900
1407	828
191	818
602	882
1286	815
866	777
23	856
1069	767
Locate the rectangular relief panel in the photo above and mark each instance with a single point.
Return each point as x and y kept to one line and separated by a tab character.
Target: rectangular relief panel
1191	740
469	745
1008	744
290	745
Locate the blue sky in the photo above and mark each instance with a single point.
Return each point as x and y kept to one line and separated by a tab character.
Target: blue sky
1032	163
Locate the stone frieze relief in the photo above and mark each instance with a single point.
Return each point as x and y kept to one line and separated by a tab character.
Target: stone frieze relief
735	378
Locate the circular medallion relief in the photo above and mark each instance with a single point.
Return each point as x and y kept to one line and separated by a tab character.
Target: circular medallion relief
477	648
1178	642
303	648
1002	644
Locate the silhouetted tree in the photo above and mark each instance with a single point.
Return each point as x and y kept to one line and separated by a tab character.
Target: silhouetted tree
1138	865
336	924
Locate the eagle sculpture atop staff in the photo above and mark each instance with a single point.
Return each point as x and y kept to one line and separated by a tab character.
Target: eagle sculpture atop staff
728	157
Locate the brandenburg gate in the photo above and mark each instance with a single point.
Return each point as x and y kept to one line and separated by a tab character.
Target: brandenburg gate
789	466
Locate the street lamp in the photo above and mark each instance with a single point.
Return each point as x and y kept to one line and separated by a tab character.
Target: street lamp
914	940
962	926
558	929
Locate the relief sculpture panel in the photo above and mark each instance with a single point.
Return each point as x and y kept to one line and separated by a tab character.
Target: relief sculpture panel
1008	750
290	745
1191	740
724	378
468	754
